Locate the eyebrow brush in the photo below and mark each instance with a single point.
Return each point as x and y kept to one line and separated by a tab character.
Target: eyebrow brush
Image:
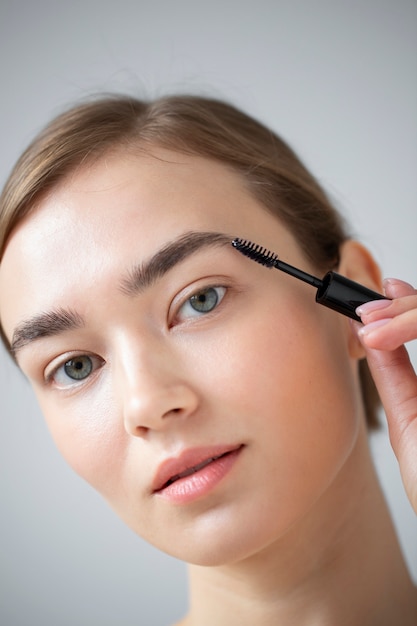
333	290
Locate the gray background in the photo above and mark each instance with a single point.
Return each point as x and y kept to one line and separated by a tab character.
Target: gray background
338	80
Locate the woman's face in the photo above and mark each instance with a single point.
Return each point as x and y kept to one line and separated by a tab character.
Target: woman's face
207	398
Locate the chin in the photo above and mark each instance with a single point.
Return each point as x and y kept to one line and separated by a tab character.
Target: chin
215	540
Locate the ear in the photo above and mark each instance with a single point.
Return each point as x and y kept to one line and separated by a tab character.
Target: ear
358	264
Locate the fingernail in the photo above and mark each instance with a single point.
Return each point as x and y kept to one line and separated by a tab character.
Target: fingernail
369	328
373	305
396	281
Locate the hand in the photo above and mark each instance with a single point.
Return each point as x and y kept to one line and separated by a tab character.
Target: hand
387	326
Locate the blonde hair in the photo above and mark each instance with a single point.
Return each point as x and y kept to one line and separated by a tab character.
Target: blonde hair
192	125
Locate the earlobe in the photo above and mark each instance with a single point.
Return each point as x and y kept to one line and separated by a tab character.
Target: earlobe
356	349
358	264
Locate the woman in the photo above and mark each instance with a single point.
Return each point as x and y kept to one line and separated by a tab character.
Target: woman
220	411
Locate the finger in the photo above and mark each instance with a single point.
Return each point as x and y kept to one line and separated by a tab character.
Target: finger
382	309
389	333
396	381
396	288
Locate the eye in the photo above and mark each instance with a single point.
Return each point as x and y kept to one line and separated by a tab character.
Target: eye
76	369
201	302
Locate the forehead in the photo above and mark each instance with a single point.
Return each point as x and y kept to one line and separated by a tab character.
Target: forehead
132	188
108	216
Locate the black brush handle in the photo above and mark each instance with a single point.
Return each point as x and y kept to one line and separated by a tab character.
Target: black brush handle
343	295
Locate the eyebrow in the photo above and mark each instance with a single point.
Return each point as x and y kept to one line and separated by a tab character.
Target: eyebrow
140	277
44	325
146	274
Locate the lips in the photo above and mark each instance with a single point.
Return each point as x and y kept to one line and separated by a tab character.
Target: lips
188	463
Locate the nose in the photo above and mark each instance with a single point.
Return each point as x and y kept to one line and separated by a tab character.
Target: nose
152	391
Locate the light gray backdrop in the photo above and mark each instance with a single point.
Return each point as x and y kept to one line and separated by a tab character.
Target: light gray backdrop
339	81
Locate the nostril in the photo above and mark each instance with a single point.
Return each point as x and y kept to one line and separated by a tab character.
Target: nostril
140	431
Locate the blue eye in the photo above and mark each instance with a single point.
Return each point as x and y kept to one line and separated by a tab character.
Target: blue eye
74	370
78	368
202	302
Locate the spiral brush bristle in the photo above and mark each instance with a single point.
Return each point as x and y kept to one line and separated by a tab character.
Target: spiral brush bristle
255	252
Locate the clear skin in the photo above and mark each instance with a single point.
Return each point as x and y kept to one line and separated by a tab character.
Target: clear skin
266	369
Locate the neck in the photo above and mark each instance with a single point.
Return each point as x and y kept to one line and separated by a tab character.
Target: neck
340	565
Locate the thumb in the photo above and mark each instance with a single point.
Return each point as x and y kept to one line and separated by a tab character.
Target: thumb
396	381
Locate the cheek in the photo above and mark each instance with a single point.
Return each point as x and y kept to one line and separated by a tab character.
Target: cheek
291	360
288	381
88	437
92	439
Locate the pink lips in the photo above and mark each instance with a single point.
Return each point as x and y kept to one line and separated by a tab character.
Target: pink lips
194	473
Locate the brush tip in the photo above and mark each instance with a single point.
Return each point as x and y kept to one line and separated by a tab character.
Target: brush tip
255	252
